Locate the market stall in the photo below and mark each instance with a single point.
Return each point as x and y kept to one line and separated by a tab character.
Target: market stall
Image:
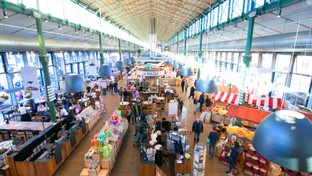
101	157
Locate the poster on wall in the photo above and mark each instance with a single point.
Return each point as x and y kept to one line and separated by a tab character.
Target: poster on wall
30	82
172	109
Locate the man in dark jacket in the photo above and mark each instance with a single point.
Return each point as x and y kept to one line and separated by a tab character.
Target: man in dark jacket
192	92
197	128
213	139
182	85
233	158
201	101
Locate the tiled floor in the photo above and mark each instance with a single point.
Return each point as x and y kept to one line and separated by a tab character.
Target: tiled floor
127	163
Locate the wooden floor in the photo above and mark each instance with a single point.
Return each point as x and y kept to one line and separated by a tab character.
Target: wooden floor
128	163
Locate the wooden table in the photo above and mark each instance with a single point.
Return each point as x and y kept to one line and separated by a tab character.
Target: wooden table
32	126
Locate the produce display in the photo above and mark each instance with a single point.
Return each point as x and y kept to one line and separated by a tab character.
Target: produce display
221	111
240	131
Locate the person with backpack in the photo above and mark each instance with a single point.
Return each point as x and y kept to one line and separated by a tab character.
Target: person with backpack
233	158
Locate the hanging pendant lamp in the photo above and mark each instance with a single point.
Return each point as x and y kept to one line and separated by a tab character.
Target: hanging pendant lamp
187	71
132	60
127	62
177	66
74	84
119	64
207	85
105	70
284	137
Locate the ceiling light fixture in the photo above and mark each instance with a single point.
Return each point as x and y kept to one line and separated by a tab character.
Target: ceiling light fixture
279	13
5	14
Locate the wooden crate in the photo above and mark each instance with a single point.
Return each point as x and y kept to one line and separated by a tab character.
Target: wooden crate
84	172
103	172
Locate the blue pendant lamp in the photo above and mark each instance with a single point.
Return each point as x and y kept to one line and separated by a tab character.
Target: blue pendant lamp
187	71
284	137
105	70
132	60
119	64
207	85
128	62
74	84
177	66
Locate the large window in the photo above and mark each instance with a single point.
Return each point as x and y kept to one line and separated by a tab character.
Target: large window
300	83
17	80
303	65
267	60
3	82
282	62
15	62
254	60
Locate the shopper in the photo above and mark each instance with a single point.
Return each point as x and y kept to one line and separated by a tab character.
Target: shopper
201	101
213	139
116	86
134	112
195	105
121	94
111	88
207	101
182	85
192	92
125	94
233	158
197	128
185	86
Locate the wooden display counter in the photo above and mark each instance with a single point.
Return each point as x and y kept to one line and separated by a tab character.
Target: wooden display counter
183	168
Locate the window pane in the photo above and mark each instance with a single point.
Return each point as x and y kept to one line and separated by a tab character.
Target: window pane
1	65
254	60
17	80
3	82
33	60
303	65
279	84
59	64
68	70
300	83
75	69
67	58
282	62
15	62
235	58
267	60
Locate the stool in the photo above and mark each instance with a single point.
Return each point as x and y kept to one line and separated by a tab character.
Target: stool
22	135
255	169
255	160
263	162
29	135
248	166
248	157
263	172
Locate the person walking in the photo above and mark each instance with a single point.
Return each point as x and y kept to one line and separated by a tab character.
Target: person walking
111	88
201	101
125	94
121	94
192	92
134	112
207	101
197	128
233	158
185	86
213	139
195	105
182	85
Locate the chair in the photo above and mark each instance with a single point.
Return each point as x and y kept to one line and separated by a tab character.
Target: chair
39	118
29	135
22	135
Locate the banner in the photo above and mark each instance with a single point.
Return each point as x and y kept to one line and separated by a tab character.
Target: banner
30	82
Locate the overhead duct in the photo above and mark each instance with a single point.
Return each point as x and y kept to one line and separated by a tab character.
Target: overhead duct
275	43
18	43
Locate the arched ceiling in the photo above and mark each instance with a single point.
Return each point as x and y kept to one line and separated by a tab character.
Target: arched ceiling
135	15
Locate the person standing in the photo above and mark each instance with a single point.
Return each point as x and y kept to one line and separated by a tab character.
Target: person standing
121	93
111	88
213	139
182	85
207	101
125	94
192	92
233	158
201	101
134	112
197	128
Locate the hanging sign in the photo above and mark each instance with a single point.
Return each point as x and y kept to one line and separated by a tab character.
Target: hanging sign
30	83
150	73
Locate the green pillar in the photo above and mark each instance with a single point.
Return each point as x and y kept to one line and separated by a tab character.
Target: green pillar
247	56
200	47
44	59
184	44
119	49
101	49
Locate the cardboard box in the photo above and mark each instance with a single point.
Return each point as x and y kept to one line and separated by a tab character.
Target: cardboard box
84	172
103	172
87	163
105	164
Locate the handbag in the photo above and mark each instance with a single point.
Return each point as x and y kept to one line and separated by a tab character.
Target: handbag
208	140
